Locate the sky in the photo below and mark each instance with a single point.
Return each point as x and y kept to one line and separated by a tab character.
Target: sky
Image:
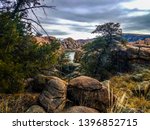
78	18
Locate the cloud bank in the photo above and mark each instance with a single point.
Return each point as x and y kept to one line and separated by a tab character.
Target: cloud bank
77	18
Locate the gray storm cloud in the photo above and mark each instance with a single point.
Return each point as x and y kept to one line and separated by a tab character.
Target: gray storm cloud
92	11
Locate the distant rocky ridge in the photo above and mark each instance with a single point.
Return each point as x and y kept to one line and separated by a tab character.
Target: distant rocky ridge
135	37
67	44
45	39
71	44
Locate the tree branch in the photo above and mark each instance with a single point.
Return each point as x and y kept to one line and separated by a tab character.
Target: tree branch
38	25
34	7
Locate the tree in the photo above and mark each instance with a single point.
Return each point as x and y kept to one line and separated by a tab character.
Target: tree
103	57
111	32
96	59
20	56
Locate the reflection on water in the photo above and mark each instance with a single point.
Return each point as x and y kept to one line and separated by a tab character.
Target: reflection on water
70	55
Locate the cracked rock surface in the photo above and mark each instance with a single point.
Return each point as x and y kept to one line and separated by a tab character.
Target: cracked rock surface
53	97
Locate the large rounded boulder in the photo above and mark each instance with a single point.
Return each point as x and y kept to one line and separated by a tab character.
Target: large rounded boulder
86	91
53	97
80	109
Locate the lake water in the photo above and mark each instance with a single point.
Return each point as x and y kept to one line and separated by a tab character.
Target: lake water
71	55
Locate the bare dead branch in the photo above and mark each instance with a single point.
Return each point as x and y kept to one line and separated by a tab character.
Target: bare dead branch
34	7
33	27
38	25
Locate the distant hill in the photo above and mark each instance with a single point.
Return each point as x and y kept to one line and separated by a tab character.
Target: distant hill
135	37
128	36
70	43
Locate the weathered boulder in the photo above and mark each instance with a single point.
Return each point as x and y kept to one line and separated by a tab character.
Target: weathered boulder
80	109
35	109
86	91
53	97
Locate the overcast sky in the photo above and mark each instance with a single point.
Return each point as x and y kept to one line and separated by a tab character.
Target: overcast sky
77	18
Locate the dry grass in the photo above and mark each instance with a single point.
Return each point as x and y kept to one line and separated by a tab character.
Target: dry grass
132	91
17	103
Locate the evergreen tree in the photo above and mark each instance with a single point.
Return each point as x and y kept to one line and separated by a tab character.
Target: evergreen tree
111	32
20	56
102	57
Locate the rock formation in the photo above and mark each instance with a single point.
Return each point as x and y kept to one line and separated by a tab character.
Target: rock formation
43	40
53	97
86	91
81	94
70	43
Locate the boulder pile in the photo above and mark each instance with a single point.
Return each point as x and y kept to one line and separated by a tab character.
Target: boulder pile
81	94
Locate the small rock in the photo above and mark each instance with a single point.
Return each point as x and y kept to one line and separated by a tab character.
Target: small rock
35	109
80	109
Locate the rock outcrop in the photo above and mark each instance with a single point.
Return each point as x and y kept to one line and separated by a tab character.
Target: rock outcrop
81	94
43	40
86	91
132	52
53	97
70	43
138	52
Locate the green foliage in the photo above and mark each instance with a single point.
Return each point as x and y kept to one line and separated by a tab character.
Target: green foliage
64	66
111	32
102	57
78	56
20	56
97	44
96	59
